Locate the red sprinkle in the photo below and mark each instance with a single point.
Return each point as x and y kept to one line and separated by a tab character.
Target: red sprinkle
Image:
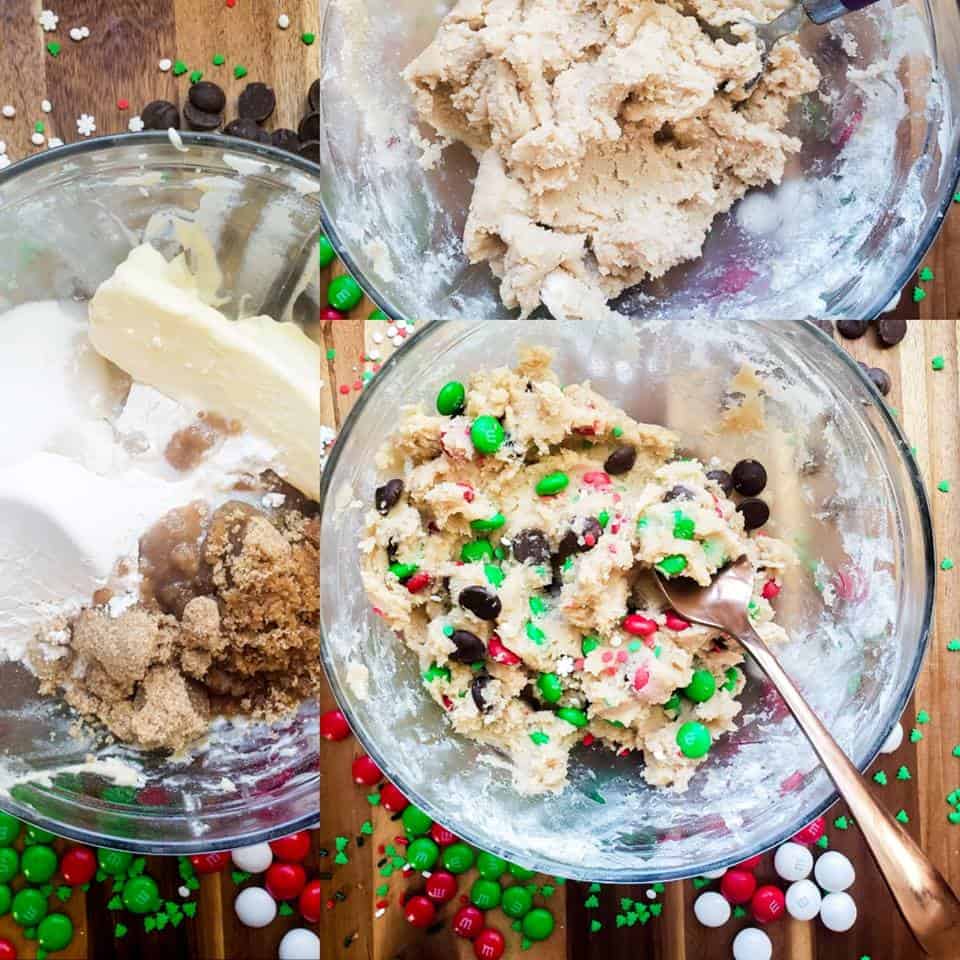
578	664
468	493
621	656
639	626
585	431
447	703
597	478
675	622
344	388
611	671
123	104
501	654
641	678
588	739
418	581
231	3
357	385
607	656
770	589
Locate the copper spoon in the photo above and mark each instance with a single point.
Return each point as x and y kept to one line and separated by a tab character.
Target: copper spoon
929	907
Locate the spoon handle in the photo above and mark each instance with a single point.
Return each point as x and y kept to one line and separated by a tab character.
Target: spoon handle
930	908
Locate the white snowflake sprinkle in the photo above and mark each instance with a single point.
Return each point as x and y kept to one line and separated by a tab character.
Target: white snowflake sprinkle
54	142
391	331
9	111
46	106
38	139
378	338
165	64
48	20
564	666
86	124
135	124
283	21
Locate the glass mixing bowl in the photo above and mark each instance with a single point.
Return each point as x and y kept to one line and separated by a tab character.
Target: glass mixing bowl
843	233
845	493
67	218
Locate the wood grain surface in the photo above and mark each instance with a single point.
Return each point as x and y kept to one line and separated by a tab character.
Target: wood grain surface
119	61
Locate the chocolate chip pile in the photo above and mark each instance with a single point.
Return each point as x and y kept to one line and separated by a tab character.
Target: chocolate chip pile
206	103
890	331
748	478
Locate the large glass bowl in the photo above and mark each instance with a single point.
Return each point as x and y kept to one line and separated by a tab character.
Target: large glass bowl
858	208
845	493
67	218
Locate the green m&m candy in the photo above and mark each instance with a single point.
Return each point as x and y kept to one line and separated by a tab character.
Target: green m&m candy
573	715
490	523
516	901
9	864
672	565
457	858
732	675
588	645
140	895
521	873
423	854
486	434
55	932
38	864
476	551
325	253
344	293
114	862
451	399
673	705
694	740
490	866
6	898
683	526
9	829
538	924
485	894
36	835
403	571
415	821
550	687
29	907
702	686
552	483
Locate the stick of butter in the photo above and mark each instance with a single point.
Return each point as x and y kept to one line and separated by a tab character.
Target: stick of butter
151	323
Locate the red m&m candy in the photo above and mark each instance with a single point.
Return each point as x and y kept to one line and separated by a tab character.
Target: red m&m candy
365	771
285	881
639	626
7	950
750	864
334	726
767	904
329	313
501	654
738	885
442	886
293	848
78	866
311	901
675	622
392	799
467	922
210	862
419	911
489	944
441	836
811	833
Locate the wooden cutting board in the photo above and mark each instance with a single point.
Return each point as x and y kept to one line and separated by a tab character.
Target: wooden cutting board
119	61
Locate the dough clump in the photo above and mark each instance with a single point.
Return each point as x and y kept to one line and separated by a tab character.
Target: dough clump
609	133
534	615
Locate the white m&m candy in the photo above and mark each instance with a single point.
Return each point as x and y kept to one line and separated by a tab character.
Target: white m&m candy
892	742
838	912
299	944
255	907
834	872
253	859
793	861
711	909
803	900
752	943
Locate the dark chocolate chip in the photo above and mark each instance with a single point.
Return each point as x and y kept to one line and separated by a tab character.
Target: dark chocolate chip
385	497
531	546
755	513
309	128
580	540
285	139
481	602
621	460
256	102
852	329
823	323
160	115
263	136
722	479
207	96
242	128
310	150
469	647
198	119
313	95
476	691
678	492
891	330
880	379
749	477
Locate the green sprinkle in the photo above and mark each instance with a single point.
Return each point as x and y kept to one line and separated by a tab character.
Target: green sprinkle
617	432
179	68
436	672
592	902
954	816
926	274
595	925
700	882
539	738
190	909
642	523
373	799
903	774
240	71
495	576
956	750
656	909
923	717
340	859
881	778
341	843
219	59
937	363
308	38
448	631
285	910
331	354
915	735
672	565
919	294
683	526
382	890
366	828
946	564
841	823
535	634
38	126
238	876
54	48
120	931
944	486
823	842
538	606
634	645
603	518
902	816
196	76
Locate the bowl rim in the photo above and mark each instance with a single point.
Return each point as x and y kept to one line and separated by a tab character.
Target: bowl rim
275	157
881	301
642	874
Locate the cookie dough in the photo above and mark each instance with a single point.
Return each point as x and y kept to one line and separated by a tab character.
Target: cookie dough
609	133
512	544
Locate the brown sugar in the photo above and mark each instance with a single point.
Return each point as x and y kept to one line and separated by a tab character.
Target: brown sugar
227	624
